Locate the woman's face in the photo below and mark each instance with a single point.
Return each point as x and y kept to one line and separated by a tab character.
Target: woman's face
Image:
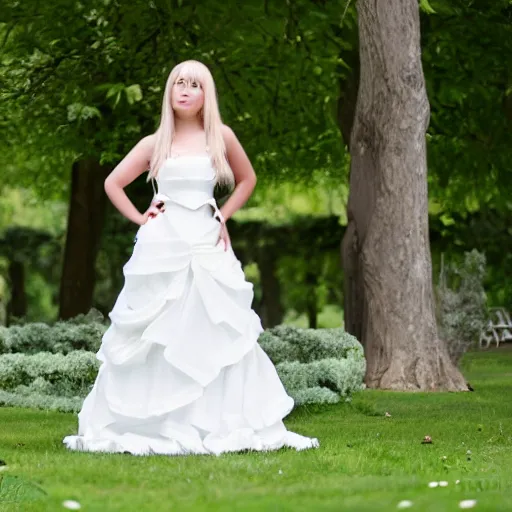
187	97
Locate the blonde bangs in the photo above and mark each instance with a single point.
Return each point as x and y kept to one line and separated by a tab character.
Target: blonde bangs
211	119
193	71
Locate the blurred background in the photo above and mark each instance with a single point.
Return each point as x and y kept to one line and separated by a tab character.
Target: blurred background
82	82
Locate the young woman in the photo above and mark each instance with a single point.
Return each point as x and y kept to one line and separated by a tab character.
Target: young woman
182	372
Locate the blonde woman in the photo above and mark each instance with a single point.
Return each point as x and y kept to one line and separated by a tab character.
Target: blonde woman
182	372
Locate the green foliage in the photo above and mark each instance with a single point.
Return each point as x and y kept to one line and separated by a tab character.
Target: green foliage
314	278
465	49
288	343
320	195
330	317
461	304
94	95
21	207
26	396
41	298
489	232
62	337
315	366
45	373
426	7
22	243
31	232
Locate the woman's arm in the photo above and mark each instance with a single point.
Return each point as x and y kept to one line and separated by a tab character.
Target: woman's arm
245	177
130	167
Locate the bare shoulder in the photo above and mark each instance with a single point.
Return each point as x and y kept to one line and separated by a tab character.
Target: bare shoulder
236	156
134	163
147	144
228	135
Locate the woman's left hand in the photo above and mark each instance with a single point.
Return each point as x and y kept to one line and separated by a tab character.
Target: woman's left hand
224	236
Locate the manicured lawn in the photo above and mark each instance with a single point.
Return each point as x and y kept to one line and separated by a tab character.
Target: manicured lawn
366	461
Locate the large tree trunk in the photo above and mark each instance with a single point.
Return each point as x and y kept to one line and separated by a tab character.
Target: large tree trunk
386	254
17	306
271	310
312	299
85	223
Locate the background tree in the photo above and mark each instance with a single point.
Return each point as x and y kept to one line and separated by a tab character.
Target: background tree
389	300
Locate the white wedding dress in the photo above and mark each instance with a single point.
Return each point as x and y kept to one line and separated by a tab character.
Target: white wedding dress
182	372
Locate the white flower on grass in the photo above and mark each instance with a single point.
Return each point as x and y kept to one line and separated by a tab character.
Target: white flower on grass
280	471
4	468
457	481
405	504
71	505
433	484
443	484
444	457
467	504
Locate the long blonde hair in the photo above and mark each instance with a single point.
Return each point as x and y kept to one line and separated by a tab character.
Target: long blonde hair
210	116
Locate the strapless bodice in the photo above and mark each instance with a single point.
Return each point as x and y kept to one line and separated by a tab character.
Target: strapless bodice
188	181
185	185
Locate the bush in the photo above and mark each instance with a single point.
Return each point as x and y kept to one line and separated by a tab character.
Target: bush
40	401
315	365
60	338
461	304
52	374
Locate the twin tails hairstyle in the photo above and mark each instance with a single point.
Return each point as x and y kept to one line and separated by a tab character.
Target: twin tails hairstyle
196	71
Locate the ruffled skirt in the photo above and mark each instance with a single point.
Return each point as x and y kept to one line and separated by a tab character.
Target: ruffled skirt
182	372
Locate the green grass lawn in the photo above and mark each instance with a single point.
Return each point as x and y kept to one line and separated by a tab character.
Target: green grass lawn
365	462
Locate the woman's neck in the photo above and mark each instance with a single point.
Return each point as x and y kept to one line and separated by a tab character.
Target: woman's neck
192	124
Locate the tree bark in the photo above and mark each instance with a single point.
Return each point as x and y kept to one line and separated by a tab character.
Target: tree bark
389	301
271	309
17	306
85	223
311	300
346	106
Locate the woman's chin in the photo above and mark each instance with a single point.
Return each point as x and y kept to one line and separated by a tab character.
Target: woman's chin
186	110
187	114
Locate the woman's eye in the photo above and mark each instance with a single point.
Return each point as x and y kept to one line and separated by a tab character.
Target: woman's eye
195	84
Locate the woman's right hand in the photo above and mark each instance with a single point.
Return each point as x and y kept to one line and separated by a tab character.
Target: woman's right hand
154	209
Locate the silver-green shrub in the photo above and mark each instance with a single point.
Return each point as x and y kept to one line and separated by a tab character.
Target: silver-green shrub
315	365
56	374
461	304
21	398
62	337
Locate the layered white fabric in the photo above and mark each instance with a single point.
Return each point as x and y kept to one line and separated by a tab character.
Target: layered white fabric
182	372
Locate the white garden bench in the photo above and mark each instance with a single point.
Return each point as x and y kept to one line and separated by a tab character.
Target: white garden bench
498	329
